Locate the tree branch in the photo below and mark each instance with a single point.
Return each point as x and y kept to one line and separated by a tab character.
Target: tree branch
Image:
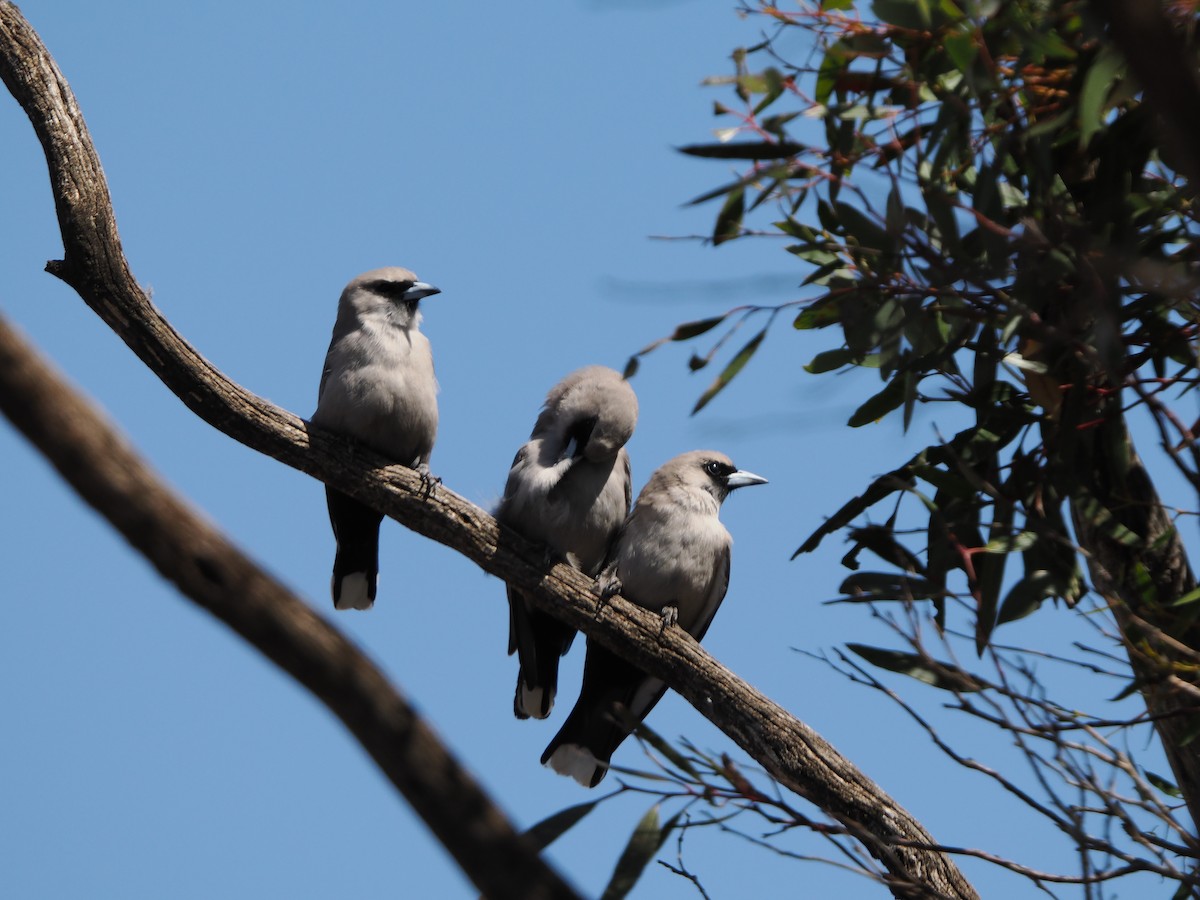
207	568
95	266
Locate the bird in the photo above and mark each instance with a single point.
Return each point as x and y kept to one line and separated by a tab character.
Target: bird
569	488
671	556
379	388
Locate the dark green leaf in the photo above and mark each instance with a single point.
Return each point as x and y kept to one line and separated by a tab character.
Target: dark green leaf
1026	596
1103	519
880	405
962	49
989	572
551	828
821	312
1097	85
735	366
689	330
719	191
644	843
829	360
729	219
887	586
937	674
752	150
863	228
1163	785
797	230
912	14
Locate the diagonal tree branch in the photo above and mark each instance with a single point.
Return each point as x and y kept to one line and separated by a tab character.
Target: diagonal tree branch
95	266
209	569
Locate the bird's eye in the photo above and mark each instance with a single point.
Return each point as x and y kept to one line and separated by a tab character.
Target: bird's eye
391	288
717	469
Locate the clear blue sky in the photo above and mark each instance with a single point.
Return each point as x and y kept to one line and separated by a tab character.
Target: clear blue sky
519	158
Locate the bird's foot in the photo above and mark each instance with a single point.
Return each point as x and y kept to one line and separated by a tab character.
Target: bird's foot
609	586
429	481
670	616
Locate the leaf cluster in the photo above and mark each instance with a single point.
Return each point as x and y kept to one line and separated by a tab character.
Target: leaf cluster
988	222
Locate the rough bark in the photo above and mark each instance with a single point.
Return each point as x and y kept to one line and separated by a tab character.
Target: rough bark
1141	571
94	265
207	568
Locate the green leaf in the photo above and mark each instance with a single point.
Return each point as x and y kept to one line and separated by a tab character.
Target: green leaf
962	50
1025	597
643	844
1010	543
821	312
1097	85
881	404
989	572
936	674
773	81
1103	519
1189	597
551	828
828	360
729	219
905	13
818	256
735	365
1163	785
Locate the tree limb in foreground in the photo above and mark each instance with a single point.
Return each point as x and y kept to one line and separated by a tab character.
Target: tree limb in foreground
209	569
95	266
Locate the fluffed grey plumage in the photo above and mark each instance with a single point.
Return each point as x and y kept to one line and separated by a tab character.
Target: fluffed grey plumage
569	488
378	386
672	557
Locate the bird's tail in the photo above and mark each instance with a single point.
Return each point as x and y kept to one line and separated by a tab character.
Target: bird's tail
539	640
356	564
586	742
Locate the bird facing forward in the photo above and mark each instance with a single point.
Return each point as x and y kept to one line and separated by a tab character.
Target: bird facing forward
378	387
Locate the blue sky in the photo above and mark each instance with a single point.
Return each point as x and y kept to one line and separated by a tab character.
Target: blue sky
521	161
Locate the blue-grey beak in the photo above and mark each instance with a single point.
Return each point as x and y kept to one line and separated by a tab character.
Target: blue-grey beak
420	290
743	479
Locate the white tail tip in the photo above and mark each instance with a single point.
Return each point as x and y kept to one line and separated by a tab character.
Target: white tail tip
575	762
531	702
354	593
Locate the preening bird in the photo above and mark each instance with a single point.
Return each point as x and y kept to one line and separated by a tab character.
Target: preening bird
671	556
569	488
378	387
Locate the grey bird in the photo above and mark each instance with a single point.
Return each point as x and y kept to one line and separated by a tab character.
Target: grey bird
378	387
569	488
671	557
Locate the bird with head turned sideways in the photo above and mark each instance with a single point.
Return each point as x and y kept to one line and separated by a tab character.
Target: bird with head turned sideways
569	488
379	388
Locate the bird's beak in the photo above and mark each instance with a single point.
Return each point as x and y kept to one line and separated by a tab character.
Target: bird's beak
420	290
743	479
